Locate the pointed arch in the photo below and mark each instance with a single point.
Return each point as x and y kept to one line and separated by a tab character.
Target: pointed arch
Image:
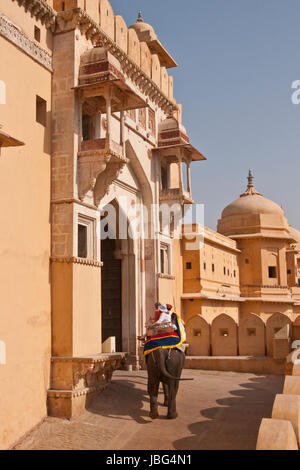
277	321
252	335
224	336
198	336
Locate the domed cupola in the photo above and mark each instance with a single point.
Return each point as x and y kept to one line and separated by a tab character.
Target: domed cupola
146	33
252	213
144	30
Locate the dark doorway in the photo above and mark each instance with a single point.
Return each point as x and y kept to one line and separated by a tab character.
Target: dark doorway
111	293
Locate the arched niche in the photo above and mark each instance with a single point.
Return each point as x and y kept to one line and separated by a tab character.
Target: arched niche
251	334
224	336
198	336
274	324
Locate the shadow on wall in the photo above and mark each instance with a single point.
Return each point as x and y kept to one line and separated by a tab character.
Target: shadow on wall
234	424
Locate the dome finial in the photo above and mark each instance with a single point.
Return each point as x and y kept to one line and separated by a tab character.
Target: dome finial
250	191
140	18
250	179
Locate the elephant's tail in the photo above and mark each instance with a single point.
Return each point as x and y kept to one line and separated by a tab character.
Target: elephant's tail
160	361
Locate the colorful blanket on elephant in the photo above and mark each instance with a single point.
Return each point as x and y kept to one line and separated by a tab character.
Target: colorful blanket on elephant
164	340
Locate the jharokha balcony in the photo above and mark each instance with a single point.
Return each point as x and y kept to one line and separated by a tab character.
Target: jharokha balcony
175	195
101	93
89	147
175	153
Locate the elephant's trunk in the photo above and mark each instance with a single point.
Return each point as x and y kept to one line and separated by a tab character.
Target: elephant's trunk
161	363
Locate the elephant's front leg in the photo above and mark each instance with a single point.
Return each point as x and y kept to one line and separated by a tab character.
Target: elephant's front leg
166	394
173	389
153	385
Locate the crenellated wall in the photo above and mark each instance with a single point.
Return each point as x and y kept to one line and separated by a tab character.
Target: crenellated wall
137	48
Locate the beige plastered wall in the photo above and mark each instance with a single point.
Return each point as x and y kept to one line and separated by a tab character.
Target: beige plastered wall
25	324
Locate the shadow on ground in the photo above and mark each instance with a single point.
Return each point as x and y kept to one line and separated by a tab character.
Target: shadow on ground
122	400
234	423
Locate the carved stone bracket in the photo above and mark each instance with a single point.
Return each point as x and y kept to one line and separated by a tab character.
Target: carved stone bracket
90	166
105	179
97	170
41	11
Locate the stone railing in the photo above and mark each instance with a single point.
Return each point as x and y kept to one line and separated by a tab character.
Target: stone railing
174	194
282	431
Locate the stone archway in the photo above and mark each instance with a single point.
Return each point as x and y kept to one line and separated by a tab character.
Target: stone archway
274	324
121	285
251	335
224	336
138	263
198	336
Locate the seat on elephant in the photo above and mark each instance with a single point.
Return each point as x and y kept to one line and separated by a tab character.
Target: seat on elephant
170	339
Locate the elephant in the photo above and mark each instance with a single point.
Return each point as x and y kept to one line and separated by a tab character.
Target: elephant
164	365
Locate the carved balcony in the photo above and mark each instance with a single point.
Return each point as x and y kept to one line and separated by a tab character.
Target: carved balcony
99	164
175	196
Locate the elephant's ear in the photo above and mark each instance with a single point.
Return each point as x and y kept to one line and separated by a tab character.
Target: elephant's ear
173	317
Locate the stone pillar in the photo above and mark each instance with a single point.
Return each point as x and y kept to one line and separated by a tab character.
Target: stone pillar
108	118
189	184
180	172
122	130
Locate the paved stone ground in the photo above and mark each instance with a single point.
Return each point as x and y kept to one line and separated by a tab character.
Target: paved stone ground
217	410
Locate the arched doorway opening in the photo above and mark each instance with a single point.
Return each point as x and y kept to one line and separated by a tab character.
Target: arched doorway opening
111	288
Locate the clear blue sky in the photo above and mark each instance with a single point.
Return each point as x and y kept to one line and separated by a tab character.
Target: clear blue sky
237	60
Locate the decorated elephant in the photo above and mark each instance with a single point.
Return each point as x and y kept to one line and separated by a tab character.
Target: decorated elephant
165	360
164	365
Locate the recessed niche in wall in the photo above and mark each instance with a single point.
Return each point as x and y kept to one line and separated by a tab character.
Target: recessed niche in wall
224	332
197	333
272	272
37	34
251	331
41	111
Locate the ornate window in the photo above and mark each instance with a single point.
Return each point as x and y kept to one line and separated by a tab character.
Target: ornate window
85	237
272	272
165	267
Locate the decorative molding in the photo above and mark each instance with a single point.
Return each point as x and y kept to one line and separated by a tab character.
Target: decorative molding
73	201
265	286
75	260
16	36
101	357
166	276
76	393
70	19
41	11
